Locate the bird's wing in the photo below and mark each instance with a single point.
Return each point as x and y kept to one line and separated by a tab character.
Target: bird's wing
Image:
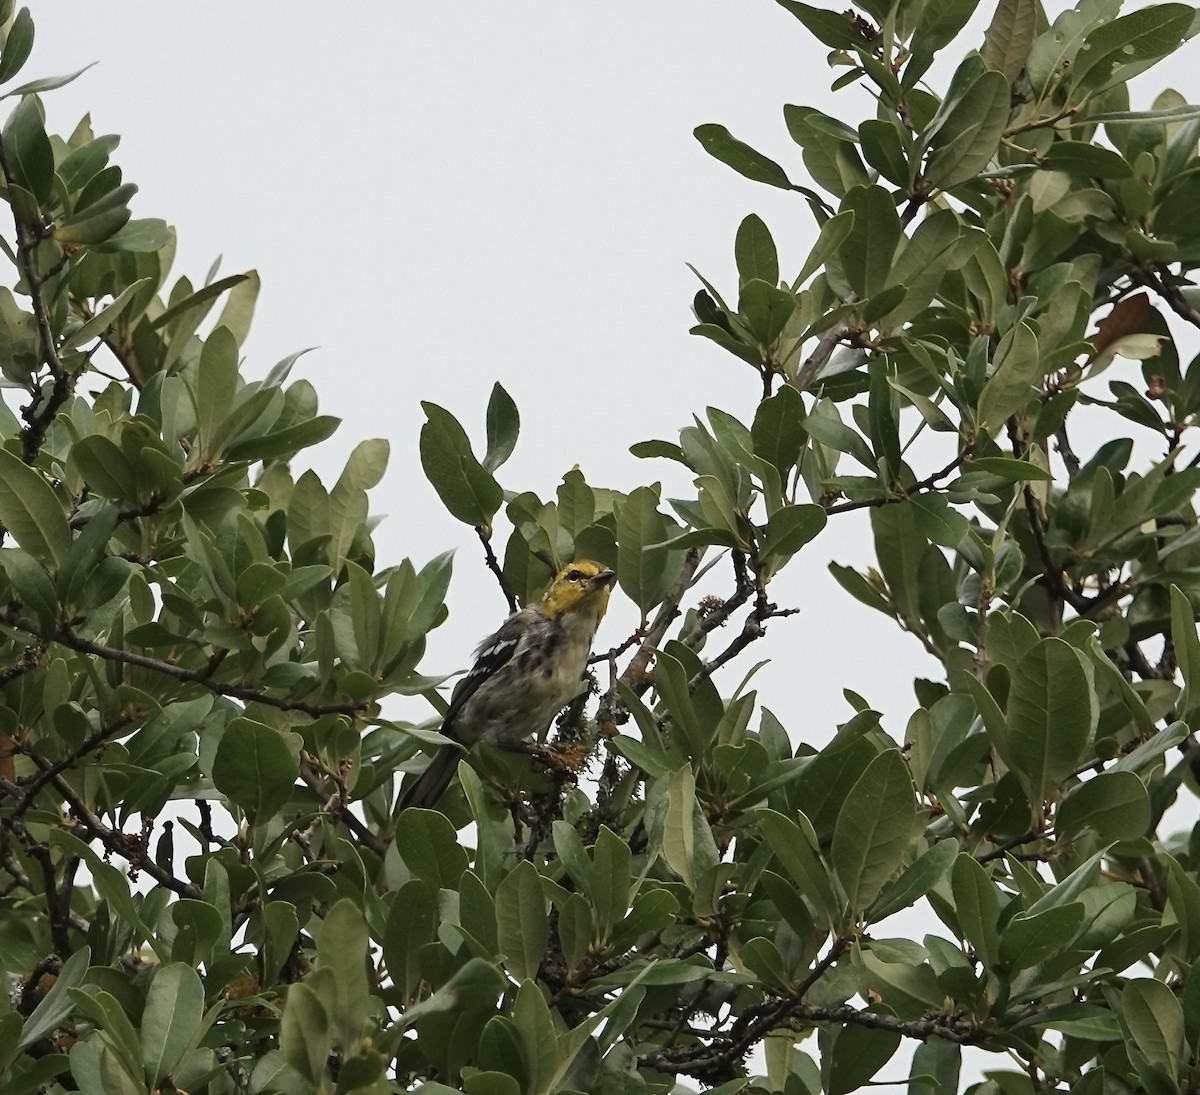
492	653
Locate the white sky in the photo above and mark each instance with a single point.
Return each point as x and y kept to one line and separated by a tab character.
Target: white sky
442	195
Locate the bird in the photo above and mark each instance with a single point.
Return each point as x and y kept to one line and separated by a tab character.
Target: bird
523	675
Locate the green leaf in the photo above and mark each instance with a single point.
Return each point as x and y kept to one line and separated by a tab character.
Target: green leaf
680	849
1144	35
672	680
825	425
790	528
778	430
833	234
1015	471
503	425
916	880
873	828
56	1005
46	83
201	299
1051	714
522	928
935	1067
754	252
977	906
611	878
10	1030
937	245
32	512
536	1029
937	26
100	220
105	467
1187	653
867	253
120	1038
1084	158
766	309
342	952
30	157
1114	805
641	566
860	588
1009	37
286	442
215	388
1028	940
174	1010
967	129
465	486
256	767
857	1054
17	45
1016	376
886	150
1138	117
104	319
304	1032
142	236
835	29
1155	1020
718	142
429	846
798	856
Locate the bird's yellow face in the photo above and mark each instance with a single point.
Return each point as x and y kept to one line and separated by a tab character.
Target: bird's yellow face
581	587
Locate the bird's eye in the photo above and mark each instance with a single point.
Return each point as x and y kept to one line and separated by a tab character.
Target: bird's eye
574	575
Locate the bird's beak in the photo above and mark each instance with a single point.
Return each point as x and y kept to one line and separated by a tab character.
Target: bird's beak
605	578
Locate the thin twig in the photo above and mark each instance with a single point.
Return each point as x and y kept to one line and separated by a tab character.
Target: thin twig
753	628
493	564
716	617
1009	845
1063	445
332	804
925	484
1045	123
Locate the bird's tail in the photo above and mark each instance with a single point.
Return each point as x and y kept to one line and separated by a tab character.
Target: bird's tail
431	784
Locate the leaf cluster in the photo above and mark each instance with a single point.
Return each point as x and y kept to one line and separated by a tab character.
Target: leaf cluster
206	880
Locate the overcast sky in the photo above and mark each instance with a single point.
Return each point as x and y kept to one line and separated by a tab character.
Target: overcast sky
442	195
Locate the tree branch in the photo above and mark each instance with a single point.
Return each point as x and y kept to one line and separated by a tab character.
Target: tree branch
114	841
716	1061
810	369
925	484
37	421
1170	293
64	636
939	1024
716	617
50	770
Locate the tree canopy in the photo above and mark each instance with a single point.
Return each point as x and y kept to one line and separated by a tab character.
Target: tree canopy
206	885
